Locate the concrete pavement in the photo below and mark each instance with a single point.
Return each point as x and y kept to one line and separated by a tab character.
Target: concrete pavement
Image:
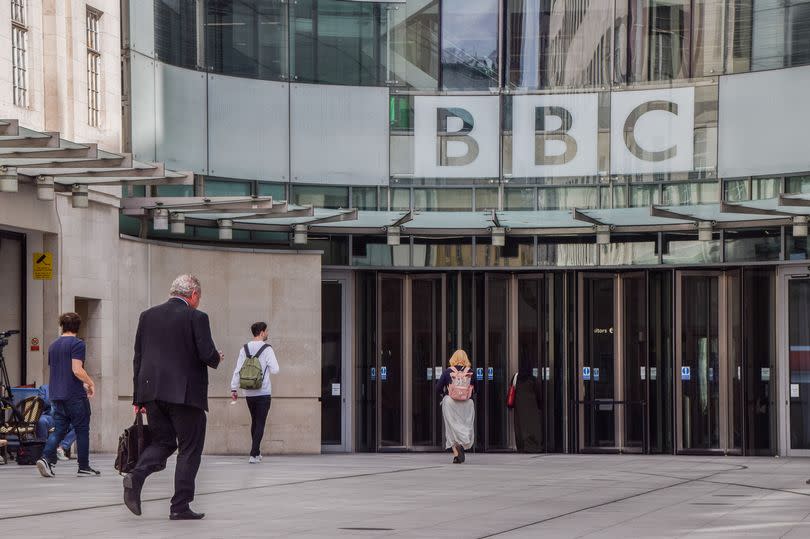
423	495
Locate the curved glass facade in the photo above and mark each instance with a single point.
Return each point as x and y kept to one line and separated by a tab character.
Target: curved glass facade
482	44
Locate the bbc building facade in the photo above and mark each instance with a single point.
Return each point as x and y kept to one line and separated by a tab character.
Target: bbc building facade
609	196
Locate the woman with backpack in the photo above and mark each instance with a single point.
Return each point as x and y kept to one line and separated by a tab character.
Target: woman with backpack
456	386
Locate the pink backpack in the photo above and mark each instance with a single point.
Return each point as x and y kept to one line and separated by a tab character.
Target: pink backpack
460	388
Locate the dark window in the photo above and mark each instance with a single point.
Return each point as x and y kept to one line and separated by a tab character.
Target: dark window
176	32
246	38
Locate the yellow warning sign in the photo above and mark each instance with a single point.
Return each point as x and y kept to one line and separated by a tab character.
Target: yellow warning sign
43	266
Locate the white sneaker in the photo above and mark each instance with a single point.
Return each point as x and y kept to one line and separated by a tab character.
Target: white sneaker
260	458
254	460
45	468
60	453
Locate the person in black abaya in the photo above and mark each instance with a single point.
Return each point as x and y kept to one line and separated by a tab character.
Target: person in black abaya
528	426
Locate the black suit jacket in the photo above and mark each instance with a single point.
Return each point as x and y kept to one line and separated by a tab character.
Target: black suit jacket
173	350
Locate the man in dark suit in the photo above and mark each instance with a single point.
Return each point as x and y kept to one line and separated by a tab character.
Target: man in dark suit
173	351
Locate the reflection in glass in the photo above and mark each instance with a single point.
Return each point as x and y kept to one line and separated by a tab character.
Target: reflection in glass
628	253
374	251
400	199
566	254
218	188
442	199
687	249
442	253
756	245
660	39
321	196
798	184
335	249
564	198
644	195
756	189
691	193
635	358
518	251
558	44
364	198
246	38
337	42
519	198
486	198
176	32
413	45
275	190
469	44
797	248
780	33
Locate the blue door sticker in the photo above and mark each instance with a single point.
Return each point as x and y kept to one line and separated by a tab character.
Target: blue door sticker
383	373
373	373
479	373
586	373
595	374
490	373
686	373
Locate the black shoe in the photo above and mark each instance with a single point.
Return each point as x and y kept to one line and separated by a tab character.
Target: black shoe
188	514
460	454
45	468
456	461
132	495
89	472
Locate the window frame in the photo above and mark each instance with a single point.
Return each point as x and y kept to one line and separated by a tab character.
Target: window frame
93	43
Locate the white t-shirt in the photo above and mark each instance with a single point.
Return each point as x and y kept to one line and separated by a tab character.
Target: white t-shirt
269	366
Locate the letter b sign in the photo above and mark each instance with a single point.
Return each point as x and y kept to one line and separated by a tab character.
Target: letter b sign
456	137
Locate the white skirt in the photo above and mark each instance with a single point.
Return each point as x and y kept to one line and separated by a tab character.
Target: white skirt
459	422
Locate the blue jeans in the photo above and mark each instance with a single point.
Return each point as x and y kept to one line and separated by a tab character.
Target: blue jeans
69	439
75	412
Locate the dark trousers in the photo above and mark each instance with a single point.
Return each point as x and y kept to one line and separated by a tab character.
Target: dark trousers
258	407
74	412
173	426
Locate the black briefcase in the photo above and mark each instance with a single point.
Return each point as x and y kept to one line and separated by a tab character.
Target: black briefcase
131	444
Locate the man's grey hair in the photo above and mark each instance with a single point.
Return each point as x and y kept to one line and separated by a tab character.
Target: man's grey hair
185	285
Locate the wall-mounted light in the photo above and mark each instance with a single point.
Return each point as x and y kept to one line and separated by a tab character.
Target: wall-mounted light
393	235
498	236
160	219
79	196
602	234
300	234
44	187
800	226
225	229
177	223
8	181
705	231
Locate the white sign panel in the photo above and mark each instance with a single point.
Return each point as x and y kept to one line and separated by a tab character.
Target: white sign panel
652	131
456	136
555	135
336	390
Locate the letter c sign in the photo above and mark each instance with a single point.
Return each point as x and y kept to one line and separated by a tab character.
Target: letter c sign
652	131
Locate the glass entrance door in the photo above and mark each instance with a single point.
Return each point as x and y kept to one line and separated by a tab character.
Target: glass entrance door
428	358
613	361
708	362
797	376
390	366
333	389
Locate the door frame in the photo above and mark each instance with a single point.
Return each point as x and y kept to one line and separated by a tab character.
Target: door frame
784	276
404	344
345	278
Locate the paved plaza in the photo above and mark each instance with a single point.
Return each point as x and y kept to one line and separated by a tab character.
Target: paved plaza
423	495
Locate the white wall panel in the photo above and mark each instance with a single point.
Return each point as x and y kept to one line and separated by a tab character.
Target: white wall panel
763	123
248	123
142	105
142	27
339	134
180	120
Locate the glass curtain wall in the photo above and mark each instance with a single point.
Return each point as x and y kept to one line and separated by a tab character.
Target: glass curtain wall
176	32
246	38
